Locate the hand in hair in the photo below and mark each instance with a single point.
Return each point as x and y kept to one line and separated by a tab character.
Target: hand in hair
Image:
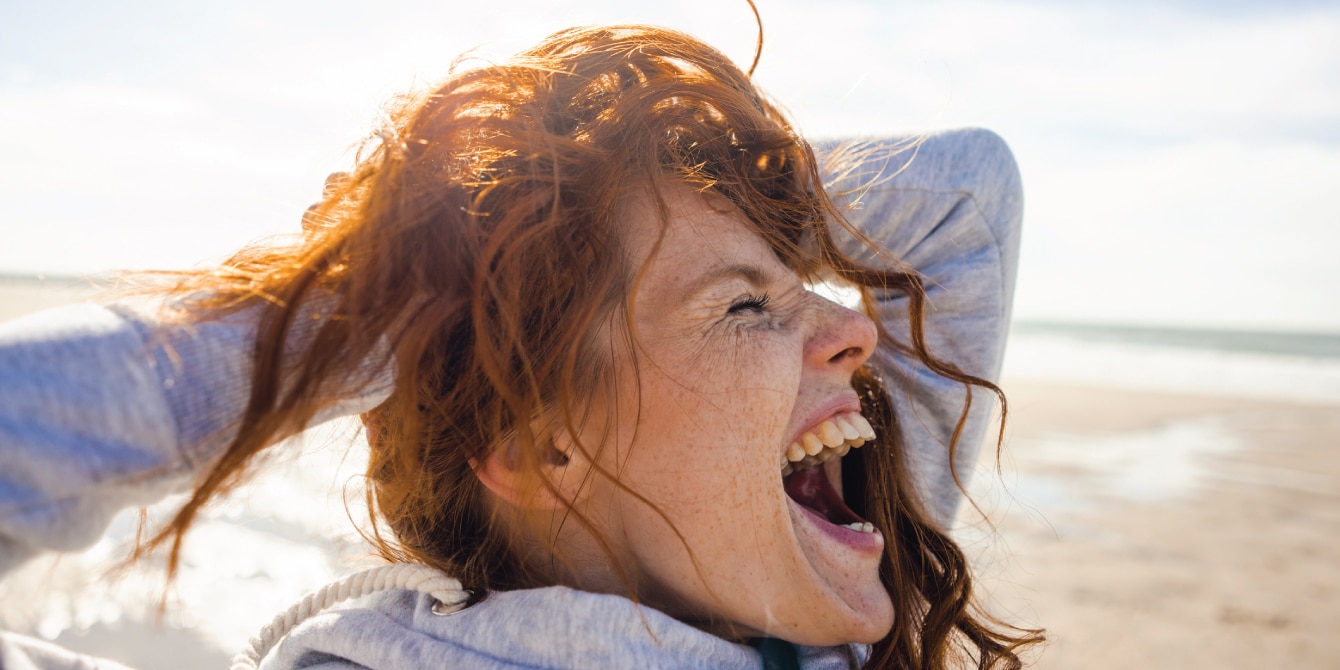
311	219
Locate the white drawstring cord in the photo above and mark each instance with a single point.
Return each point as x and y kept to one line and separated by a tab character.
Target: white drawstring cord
450	595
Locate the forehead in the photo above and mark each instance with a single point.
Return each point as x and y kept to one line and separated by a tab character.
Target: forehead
701	235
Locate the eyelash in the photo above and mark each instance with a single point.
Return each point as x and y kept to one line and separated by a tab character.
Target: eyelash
750	302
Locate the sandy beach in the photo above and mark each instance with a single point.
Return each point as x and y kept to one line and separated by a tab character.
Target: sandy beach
1141	529
1153	530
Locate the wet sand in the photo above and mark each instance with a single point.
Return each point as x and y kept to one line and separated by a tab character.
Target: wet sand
1149	530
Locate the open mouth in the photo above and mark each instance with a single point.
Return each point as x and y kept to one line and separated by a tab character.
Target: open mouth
804	473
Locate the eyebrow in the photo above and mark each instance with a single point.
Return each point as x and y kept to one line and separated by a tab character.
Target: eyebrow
750	273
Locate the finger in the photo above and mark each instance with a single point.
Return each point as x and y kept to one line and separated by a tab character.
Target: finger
311	220
333	183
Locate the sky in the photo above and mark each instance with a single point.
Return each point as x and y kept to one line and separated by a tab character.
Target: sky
1181	159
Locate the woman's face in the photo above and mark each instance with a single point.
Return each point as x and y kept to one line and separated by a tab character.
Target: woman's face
734	362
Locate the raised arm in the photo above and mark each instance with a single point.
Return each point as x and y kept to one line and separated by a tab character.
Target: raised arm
104	408
949	206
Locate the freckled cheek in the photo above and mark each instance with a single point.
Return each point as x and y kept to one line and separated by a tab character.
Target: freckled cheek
726	405
752	397
764	359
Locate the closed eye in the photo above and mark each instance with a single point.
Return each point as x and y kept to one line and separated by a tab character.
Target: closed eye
749	303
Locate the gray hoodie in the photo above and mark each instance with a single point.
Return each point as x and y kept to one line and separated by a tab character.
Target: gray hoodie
108	407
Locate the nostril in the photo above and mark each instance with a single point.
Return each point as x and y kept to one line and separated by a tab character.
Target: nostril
849	351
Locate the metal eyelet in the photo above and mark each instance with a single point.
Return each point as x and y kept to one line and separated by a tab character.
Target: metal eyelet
447	609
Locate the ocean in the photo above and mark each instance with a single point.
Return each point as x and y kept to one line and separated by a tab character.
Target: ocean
1289	366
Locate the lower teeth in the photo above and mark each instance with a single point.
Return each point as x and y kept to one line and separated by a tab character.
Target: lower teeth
860	526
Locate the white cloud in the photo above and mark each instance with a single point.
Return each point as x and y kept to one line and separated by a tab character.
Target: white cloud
1211	233
1098	70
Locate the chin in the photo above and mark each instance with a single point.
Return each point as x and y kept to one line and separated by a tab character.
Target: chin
874	625
824	624
865	623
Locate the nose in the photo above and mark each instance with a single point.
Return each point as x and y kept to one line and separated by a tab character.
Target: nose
842	339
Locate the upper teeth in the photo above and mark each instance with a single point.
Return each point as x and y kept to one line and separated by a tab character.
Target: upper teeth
831	439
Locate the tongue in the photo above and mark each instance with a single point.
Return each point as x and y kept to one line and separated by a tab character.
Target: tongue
810	487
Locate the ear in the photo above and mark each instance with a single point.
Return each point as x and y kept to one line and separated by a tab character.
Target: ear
502	473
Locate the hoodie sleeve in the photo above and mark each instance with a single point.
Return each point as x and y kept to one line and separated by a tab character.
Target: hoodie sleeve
24	653
948	206
108	407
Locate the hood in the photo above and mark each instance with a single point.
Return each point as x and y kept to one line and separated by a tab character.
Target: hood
553	627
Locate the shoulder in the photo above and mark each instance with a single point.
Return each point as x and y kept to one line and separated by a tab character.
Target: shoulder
553	627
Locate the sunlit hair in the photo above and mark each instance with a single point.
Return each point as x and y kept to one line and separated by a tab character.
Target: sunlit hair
478	232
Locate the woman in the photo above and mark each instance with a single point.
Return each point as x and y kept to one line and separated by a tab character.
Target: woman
568	294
